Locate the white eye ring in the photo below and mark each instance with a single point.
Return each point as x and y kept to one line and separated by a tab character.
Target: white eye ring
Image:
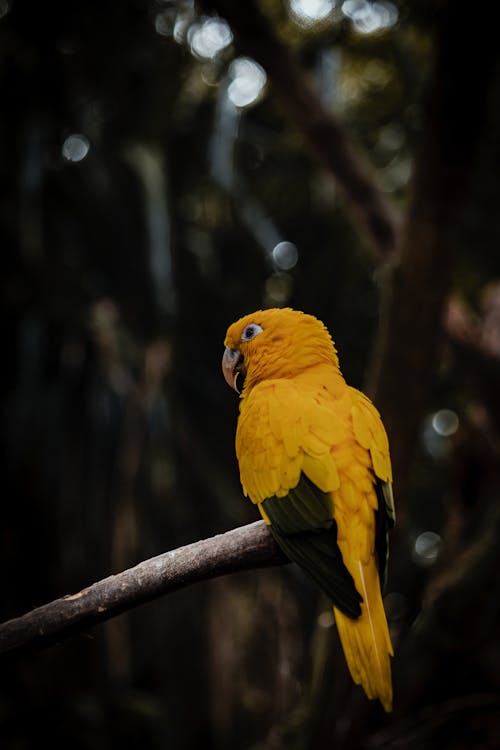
251	331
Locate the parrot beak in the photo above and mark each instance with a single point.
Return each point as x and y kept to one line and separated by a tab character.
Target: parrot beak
233	366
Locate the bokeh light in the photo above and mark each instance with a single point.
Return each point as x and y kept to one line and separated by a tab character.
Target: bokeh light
285	255
182	23
208	37
311	11
248	80
75	147
326	619
437	432
426	548
370	17
278	289
445	422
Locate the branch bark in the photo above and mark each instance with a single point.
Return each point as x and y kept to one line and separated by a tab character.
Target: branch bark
243	548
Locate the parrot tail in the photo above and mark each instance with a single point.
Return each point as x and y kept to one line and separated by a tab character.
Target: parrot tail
366	641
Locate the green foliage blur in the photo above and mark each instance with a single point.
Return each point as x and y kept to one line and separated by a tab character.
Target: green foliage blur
143	211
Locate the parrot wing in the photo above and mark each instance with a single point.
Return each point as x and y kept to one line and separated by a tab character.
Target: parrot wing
302	524
284	440
370	434
284	430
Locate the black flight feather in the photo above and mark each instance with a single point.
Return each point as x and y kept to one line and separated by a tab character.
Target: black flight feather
302	524
384	520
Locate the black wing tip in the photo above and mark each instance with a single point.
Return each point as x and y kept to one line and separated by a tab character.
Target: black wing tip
302	524
350	608
324	567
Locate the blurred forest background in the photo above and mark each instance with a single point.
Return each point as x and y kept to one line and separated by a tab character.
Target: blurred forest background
166	167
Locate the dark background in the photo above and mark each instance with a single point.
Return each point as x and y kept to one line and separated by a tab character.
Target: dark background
139	212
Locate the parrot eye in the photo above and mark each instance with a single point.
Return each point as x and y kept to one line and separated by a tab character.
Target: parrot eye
251	332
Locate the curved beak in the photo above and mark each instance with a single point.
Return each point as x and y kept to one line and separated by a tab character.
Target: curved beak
232	366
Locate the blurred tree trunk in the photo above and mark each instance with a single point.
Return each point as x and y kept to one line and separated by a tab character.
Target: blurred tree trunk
411	330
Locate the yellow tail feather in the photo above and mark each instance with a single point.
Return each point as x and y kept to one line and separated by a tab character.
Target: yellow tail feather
366	641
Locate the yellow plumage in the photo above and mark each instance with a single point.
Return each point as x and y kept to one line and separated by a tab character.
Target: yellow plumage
298	418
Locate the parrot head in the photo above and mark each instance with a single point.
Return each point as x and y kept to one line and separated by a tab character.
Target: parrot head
274	343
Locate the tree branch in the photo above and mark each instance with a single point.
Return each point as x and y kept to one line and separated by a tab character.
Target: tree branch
324	132
244	548
475	343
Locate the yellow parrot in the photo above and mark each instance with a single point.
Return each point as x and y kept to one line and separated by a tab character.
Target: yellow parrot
314	457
